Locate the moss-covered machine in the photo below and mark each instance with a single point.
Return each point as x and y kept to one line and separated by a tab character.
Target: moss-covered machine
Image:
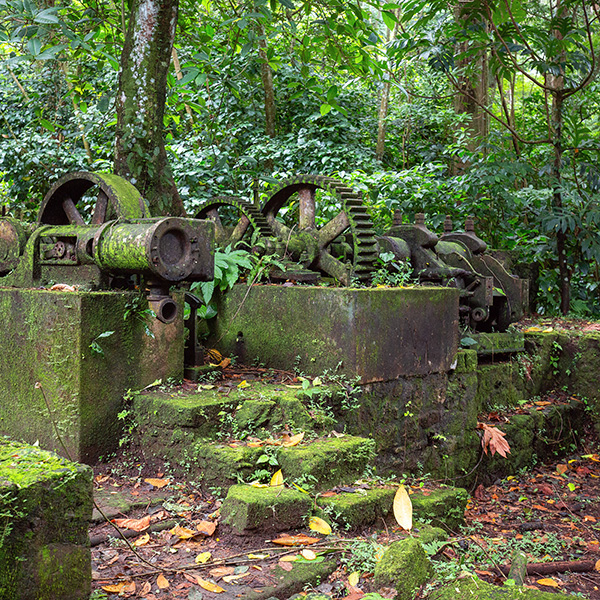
346	247
76	331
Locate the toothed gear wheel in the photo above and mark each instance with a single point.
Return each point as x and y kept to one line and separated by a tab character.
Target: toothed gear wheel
352	221
248	216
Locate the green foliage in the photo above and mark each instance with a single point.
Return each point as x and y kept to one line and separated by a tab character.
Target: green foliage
95	346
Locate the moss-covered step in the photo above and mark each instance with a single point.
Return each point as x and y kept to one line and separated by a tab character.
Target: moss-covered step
318	464
46	503
498	343
473	588
444	507
247	508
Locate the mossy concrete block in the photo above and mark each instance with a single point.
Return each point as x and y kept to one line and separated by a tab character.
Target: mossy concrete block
248	508
404	566
498	386
48	337
473	588
466	361
254	414
443	508
327	462
428	534
358	509
498	343
46	503
288	583
377	334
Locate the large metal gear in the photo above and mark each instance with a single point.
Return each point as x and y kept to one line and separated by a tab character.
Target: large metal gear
314	246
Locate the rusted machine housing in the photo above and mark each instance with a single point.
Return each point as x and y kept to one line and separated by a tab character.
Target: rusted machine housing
120	245
491	297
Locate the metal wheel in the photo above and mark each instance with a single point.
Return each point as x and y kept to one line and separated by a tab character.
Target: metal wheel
315	246
69	200
233	218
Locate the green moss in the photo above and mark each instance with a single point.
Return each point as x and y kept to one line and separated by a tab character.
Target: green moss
466	361
254	414
403	566
353	510
428	534
329	462
248	508
474	588
498	386
444	507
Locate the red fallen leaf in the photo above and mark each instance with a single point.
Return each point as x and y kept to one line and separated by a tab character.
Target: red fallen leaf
582	471
480	492
493	439
545	489
539	507
134	524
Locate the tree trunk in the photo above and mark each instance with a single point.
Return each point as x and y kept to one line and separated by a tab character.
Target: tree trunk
140	154
266	75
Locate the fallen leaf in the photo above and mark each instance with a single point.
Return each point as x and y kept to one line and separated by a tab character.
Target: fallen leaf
207	386
289	558
257	484
214	356
62	287
548	582
403	508
258	556
206	527
353	578
308	554
295	540
225	363
146	588
113	588
597	566
221	572
157	483
319	525
294	440
277	479
493	439
243	384
142	540
209	586
230	578
286	565
183	533
560	469
203	557
129	588
133	524
162	582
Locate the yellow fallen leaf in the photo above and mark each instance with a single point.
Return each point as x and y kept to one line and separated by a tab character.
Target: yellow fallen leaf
308	554
207	386
142	540
403	508
597	566
353	578
277	479
203	557
294	440
243	384
289	558
317	524
258	556
317	381
548	582
162	582
532	329
225	363
157	483
209	586
113	588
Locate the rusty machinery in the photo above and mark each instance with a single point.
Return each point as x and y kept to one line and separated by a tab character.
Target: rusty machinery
346	247
95	231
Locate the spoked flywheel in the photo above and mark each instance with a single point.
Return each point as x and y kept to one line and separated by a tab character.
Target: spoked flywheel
344	247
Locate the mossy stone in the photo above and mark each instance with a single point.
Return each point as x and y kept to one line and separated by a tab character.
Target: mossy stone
248	508
404	566
327	462
428	534
364	507
254	414
466	361
474	588
444	507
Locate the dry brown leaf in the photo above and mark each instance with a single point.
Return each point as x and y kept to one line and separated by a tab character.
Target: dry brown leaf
230	578
295	540
294	440
133	524
286	565
183	533
129	588
113	588
62	287
162	582
317	524
403	510
225	363
146	588
560	469
597	566
209	586
206	527
493	439
289	558
219	572
157	483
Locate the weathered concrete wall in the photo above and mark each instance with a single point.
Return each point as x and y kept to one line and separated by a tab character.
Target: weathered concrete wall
46	338
46	506
377	334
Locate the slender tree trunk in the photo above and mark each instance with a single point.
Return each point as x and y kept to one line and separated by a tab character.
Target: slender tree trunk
140	153
266	74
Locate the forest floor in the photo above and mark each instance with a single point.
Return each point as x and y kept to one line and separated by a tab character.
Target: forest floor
178	549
